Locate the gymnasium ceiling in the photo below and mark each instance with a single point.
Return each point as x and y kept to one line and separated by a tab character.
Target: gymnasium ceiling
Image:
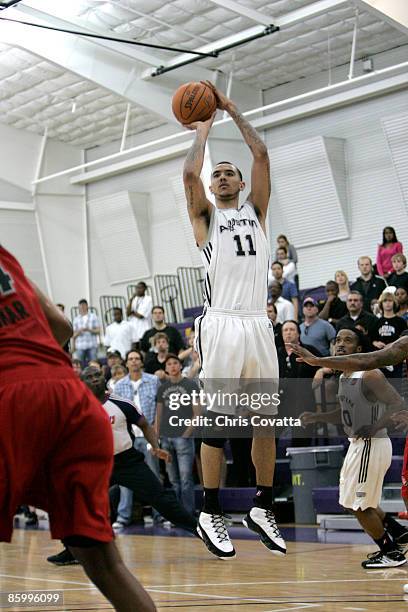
74	94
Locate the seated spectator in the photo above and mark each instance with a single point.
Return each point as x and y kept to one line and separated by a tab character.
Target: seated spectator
159	325
118	372
178	440
399	275
272	315
390	328
156	361
139	311
112	358
289	289
86	330
333	308
389	247
342	280
282	241
314	331
368	284
357	315
94	363
289	267
190	359
77	366
375	308
119	334
283	307
402	298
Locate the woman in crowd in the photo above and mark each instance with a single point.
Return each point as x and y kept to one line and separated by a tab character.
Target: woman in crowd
342	280
402	298
389	247
291	258
282	241
289	267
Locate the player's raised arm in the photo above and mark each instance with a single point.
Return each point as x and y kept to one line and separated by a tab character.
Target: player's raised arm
61	328
198	206
390	355
260	173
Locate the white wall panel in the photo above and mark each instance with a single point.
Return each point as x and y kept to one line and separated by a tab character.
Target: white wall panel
396	132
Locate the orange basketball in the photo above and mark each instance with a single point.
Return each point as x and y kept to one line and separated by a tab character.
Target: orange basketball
193	102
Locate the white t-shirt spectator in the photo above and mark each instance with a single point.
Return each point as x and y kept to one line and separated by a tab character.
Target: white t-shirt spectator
143	305
284	309
119	337
289	271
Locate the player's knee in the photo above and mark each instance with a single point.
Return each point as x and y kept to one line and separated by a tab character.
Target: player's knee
214	442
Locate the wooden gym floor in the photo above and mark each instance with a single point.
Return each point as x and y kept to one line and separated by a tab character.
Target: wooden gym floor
181	575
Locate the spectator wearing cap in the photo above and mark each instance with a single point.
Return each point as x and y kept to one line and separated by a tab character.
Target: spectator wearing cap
368	284
356	315
314	331
284	308
333	308
139	311
119	334
289	289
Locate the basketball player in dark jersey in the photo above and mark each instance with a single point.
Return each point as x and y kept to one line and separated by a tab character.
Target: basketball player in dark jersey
56	445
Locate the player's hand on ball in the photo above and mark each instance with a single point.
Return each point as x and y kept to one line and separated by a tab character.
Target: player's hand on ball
161	454
201	125
222	100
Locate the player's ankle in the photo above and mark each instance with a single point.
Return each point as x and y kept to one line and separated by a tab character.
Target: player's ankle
211	503
263	497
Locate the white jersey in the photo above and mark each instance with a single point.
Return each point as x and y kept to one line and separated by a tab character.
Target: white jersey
236	260
356	410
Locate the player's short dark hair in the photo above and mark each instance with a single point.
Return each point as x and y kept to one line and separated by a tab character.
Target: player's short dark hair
158	307
332	283
231	164
83	301
134	351
277	263
172	356
362	339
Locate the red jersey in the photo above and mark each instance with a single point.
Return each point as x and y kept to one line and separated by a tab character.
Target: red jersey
26	339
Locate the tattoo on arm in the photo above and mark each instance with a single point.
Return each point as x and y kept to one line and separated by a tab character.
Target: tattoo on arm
250	134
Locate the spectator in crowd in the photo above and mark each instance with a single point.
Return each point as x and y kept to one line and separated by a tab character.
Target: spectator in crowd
160	325
282	241
358	316
156	361
389	247
294	394
119	334
139	311
94	363
141	389
112	358
272	315
284	308
289	267
62	309
77	366
315	331
289	289
178	439
368	284
86	330
342	280
375	308
399	275
402	298
389	328
190	358
118	372
333	308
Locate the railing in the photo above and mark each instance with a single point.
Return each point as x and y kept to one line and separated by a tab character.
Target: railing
191	282
168	294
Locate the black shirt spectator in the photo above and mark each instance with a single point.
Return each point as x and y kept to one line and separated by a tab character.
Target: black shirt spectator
167	392
155	362
159	325
333	308
368	284
389	328
357	316
399	275
277	327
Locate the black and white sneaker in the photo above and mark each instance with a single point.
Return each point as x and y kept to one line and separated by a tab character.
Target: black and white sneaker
63	558
378	560
402	542
211	529
263	522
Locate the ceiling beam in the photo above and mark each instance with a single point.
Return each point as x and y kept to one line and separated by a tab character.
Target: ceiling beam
297	16
244	11
394	12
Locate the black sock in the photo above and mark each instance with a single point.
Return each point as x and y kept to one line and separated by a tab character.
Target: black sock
385	544
263	497
393	527
211	502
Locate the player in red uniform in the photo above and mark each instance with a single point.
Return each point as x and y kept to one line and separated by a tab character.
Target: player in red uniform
56	444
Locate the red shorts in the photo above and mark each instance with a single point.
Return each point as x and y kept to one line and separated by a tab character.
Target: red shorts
404	475
56	453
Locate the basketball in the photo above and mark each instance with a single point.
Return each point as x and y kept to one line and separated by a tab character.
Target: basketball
193	102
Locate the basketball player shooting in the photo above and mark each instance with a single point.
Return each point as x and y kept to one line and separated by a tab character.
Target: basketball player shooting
235	339
56	446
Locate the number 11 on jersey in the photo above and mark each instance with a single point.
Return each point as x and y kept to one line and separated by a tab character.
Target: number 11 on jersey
240	251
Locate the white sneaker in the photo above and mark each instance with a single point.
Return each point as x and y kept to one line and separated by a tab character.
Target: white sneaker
118	525
263	522
211	529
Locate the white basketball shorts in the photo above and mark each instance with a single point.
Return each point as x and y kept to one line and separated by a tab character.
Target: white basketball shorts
363	471
235	345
